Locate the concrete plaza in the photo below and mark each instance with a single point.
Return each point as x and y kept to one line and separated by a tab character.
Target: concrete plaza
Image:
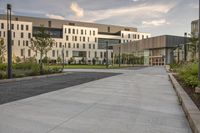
137	101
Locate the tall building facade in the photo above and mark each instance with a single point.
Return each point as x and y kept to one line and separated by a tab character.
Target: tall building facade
77	40
195	27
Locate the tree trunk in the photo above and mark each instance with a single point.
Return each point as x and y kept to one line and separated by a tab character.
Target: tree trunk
41	64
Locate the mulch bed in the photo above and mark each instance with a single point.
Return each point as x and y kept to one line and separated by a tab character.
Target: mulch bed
190	91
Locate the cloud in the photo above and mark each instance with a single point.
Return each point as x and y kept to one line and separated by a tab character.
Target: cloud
155	23
53	16
130	12
76	9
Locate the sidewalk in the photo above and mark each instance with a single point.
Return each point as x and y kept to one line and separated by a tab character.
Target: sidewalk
137	101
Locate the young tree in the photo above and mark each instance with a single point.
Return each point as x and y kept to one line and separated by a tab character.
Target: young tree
2	50
41	43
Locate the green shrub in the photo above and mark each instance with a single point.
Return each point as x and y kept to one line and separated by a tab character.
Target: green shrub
3	67
188	73
2	75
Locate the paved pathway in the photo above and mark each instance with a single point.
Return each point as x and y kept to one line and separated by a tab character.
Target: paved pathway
137	101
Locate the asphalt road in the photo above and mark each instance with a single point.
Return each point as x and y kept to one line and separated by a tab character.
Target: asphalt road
23	89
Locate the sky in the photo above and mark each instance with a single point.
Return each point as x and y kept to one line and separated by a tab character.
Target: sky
158	17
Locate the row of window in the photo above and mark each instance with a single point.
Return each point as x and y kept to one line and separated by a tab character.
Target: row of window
16	27
135	36
59	53
3	34
77	31
75	38
74	45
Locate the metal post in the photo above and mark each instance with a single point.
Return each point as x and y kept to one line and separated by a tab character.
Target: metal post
185	47
119	56
199	42
178	54
9	41
107	54
63	57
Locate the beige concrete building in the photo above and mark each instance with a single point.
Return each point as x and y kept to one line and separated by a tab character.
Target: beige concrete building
77	39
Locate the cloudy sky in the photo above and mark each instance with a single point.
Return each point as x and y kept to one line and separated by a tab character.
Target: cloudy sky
157	17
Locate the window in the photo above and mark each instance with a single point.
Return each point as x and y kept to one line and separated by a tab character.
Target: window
12	26
95	39
60	45
22	52
88	39
74	45
17	26
0	33
13	34
122	35
138	36
26	43
69	31
22	27
65	30
95	54
67	54
81	32
93	46
84	46
2	25
101	54
84	39
53	53
67	38
18	42
29	52
22	35
77	45
27	27
29	35
90	32
80	38
89	46
111	54
94	33
85	32
23	43
77	31
73	31
89	54
69	45
75	38
129	36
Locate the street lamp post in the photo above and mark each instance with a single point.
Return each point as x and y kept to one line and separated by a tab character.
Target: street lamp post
185	47
9	41
199	42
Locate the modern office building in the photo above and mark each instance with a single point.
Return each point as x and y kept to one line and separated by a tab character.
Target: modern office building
195	27
157	51
77	39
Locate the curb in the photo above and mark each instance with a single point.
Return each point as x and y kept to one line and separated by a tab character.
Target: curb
32	77
191	111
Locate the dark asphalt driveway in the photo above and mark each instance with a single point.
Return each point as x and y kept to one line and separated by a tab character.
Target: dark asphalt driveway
23	89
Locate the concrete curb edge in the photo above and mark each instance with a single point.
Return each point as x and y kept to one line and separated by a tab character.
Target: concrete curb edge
191	110
32	77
